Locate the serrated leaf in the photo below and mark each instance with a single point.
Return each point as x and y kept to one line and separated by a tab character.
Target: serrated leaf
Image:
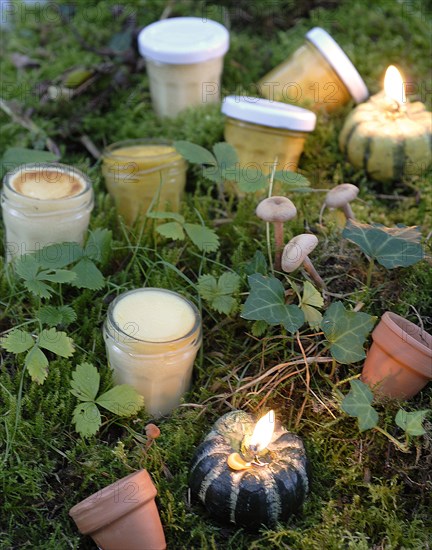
17	341
98	245
259	328
87	275
194	153
166	216
38	288
56	341
37	365
58	255
411	422
219	292
203	237
225	154
311	299
122	400
56	276
358	404
291	180
213	173
87	419
391	247
26	267
171	230
346	331
258	264
53	316
266	302
85	382
251	180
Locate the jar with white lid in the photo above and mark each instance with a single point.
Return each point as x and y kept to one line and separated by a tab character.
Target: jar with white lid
318	75
42	204
264	131
184	59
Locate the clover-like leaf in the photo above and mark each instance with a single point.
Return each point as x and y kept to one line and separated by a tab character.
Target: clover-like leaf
166	216
122	400
225	154
56	315
203	237
411	422
17	341
171	230
311	299
58	255
87	419
251	180
194	153
291	180
346	332
37	365
56	341
98	245
219	293
87	275
85	382
358	404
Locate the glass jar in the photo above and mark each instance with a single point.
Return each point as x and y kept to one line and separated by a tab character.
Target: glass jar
184	59
152	336
319	75
140	173
42	204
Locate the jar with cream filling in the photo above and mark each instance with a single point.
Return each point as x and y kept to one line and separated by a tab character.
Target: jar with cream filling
42	204
319	75
152	336
184	60
140	173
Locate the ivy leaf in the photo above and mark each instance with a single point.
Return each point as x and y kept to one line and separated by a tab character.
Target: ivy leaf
358	403
391	247
87	419
56	341
122	400
225	154
85	382
53	316
291	180
37	364
194	153
346	331
411	422
311	299
171	230
98	245
203	237
87	275
258	264
219	293
266	302
17	341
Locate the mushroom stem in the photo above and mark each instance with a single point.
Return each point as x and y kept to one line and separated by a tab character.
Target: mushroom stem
347	210
279	244
310	269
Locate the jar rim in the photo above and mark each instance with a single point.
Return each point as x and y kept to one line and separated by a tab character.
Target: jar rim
109	151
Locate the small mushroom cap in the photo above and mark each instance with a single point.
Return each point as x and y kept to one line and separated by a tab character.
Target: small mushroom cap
341	195
276	209
152	431
296	251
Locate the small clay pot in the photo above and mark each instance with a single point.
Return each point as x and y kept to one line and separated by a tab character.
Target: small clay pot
122	516
399	362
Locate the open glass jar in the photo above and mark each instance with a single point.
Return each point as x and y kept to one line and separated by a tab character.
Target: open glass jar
152	336
42	204
319	75
140	173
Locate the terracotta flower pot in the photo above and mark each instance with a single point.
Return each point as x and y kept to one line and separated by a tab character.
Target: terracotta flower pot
399	362
122	516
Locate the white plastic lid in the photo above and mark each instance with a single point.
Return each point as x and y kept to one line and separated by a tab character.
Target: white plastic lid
340	62
269	113
183	40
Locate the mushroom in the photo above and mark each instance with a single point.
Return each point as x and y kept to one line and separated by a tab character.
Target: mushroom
277	210
296	253
340	197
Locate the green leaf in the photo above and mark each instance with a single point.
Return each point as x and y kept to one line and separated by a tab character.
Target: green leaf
266	302
391	247
37	365
56	276
251	180
56	341
121	41
26	267
87	419
17	341
85	382
87	275
258	264
98	245
15	156
411	422
346	331
53	316
219	293
194	153
76	77
311	299
58	255
259	328
171	230
213	173
203	237
122	400
358	403
166	216
225	154
291	180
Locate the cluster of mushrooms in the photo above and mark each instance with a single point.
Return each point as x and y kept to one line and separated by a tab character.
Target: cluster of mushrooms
278	210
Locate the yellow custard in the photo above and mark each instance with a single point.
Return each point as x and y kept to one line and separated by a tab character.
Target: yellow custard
47	184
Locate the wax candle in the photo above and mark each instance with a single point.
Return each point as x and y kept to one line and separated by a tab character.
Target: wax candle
152	336
388	136
140	173
44	204
250	472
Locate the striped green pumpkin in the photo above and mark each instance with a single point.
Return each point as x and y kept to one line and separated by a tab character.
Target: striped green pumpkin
260	495
388	146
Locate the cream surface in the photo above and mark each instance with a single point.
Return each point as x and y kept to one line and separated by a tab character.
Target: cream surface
47	184
154	316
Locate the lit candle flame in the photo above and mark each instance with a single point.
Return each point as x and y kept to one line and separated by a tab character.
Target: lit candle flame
394	85
262	433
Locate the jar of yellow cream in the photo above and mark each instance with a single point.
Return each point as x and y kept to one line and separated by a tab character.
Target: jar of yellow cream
152	336
140	173
42	204
184	60
318	75
264	131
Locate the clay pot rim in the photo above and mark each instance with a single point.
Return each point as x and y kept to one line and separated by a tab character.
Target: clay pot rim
396	323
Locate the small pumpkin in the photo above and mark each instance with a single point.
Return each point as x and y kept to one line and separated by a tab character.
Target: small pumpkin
251	496
386	141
